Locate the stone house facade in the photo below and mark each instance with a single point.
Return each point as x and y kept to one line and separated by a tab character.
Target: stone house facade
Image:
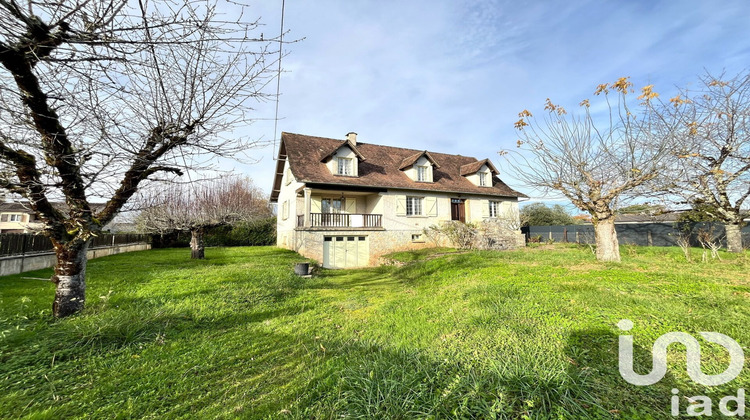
345	203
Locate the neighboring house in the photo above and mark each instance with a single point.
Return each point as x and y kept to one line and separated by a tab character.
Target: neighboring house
345	203
17	218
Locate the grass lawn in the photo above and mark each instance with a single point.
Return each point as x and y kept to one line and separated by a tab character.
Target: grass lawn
523	334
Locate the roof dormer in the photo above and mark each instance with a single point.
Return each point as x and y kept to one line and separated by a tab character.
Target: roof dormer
480	173
419	167
344	159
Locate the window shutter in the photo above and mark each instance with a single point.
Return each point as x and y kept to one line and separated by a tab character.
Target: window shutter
485	208
430	204
315	205
350	205
400	205
24	218
4	218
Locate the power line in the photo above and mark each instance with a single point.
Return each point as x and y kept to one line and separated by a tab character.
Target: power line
278	82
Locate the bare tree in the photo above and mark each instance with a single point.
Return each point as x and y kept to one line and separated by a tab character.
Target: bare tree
512	219
593	160
711	164
200	206
97	97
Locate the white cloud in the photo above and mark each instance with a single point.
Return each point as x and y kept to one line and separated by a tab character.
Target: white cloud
451	77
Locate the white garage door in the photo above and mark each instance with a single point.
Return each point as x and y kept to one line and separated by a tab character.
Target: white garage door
345	251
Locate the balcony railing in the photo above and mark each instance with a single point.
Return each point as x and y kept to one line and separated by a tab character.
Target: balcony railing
342	220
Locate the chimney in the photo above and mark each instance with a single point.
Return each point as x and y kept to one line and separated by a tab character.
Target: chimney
352	137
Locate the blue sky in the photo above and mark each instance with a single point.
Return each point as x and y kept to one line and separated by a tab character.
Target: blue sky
451	76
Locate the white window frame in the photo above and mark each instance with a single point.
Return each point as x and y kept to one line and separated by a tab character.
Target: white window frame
483	179
494	210
422	173
414	206
344	166
17	218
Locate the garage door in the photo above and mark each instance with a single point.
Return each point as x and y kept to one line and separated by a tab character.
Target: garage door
345	251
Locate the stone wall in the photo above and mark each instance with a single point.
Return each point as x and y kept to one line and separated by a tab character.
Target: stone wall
493	235
309	243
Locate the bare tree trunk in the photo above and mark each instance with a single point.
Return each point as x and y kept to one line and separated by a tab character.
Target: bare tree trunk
607	246
196	244
734	237
70	278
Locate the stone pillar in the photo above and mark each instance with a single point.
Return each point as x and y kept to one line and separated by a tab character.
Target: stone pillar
308	206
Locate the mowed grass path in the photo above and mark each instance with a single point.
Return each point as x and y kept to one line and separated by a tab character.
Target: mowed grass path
529	333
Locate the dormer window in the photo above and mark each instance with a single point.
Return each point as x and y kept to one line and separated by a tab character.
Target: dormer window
483	179
480	173
419	167
344	159
344	166
422	174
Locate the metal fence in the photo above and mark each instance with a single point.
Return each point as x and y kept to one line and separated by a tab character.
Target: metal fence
644	234
25	243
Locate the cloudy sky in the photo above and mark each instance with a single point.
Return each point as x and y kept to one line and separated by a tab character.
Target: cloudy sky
451	76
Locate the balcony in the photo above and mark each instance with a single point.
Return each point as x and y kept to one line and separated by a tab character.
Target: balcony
342	221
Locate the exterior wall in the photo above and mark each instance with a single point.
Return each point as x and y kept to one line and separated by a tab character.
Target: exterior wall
396	232
309	243
285	225
477	208
26	223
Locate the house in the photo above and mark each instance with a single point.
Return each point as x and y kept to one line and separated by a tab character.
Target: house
17	217
345	203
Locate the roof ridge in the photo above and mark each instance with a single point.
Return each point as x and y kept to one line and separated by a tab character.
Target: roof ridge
359	143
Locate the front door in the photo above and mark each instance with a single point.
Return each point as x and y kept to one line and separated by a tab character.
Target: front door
457	209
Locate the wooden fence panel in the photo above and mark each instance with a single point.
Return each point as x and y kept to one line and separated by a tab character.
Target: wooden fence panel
26	243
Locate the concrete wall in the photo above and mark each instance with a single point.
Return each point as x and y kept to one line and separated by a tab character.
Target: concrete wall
21	263
396	232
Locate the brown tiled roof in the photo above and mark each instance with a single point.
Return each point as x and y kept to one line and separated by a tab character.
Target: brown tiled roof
411	160
15	207
471	168
380	169
336	147
24	207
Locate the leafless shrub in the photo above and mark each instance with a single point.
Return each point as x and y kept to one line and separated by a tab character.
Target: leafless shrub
709	242
683	241
459	235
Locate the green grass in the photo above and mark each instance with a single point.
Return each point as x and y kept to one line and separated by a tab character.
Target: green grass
528	333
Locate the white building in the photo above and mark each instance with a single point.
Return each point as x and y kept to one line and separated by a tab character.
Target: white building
345	203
